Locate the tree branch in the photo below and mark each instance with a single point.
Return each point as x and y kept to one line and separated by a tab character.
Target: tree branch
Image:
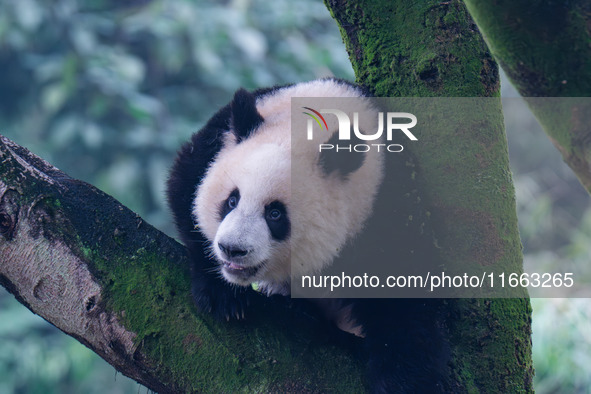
98	272
544	48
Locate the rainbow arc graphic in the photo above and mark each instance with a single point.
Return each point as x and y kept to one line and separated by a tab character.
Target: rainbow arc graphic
316	118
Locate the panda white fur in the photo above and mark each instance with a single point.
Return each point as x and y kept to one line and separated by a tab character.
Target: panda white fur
231	194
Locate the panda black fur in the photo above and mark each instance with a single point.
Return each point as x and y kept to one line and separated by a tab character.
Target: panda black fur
230	194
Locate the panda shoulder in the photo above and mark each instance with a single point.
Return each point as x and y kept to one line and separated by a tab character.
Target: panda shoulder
190	166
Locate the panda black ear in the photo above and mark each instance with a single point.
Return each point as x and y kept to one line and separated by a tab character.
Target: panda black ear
245	117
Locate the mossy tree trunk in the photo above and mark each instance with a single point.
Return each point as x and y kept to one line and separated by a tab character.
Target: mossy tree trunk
544	46
98	272
433	49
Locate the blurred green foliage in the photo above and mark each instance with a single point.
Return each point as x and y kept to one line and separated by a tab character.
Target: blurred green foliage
562	345
35	357
107	90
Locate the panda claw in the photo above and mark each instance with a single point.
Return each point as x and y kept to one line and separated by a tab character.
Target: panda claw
218	299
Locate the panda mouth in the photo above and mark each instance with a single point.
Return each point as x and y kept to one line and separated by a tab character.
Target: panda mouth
239	270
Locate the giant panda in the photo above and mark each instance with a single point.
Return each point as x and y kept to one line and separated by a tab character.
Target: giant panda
231	195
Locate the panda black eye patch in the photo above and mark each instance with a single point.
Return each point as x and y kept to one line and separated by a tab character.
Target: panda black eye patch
277	220
229	203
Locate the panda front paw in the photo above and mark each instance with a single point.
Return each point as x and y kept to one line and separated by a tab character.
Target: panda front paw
223	301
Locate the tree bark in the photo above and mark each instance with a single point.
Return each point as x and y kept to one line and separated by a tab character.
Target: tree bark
544	48
98	272
433	48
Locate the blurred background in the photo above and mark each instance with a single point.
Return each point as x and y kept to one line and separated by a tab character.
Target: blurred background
107	90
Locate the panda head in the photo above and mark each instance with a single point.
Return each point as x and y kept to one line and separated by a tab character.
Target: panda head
259	224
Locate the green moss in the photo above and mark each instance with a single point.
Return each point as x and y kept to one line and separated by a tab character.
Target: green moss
151	297
414	48
499	315
545	48
530	39
432	49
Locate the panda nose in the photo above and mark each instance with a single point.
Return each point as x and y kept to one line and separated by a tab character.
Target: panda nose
232	250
